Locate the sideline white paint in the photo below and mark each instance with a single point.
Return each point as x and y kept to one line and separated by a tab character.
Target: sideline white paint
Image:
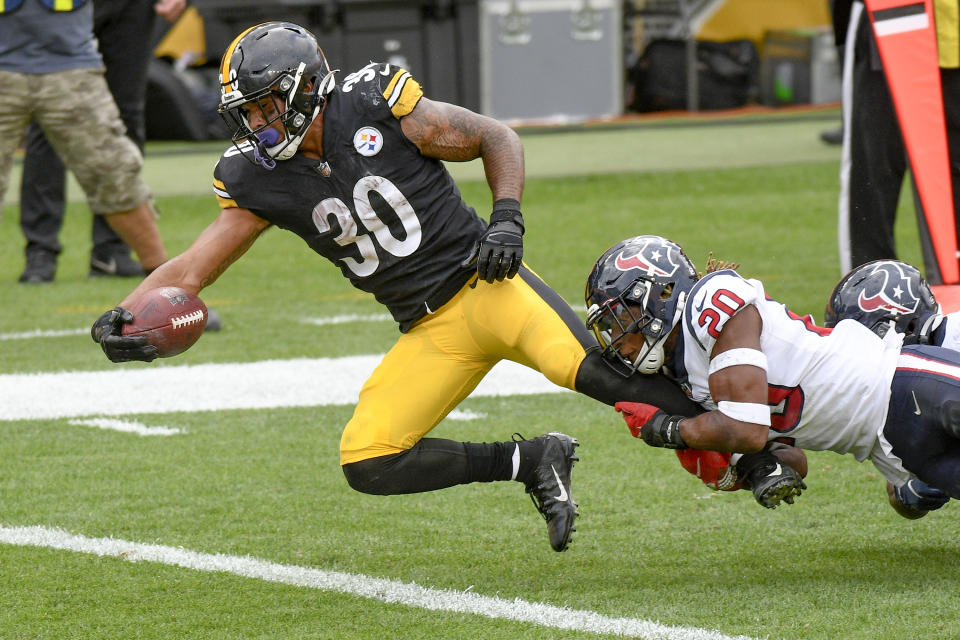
465	414
159	388
40	333
126	426
347	318
386	590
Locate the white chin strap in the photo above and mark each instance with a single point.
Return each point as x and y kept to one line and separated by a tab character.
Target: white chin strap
652	359
288	147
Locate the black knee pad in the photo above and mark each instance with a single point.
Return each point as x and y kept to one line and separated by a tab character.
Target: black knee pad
370	475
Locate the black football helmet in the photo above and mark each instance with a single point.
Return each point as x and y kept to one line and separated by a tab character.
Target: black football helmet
638	286
280	62
884	294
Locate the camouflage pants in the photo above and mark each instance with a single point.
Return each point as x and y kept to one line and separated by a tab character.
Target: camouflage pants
80	119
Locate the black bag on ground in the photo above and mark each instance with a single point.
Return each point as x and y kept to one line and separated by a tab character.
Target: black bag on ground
727	75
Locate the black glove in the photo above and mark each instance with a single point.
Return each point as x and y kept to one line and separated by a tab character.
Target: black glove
499	251
917	494
107	331
770	480
657	427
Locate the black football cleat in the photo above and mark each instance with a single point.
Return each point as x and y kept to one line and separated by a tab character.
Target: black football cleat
549	487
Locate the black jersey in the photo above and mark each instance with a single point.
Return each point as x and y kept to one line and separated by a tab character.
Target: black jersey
390	218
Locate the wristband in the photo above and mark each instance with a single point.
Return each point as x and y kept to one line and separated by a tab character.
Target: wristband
507	210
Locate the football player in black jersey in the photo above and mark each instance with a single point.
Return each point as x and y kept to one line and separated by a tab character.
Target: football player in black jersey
354	168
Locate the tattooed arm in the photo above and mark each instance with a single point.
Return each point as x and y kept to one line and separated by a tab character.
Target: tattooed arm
455	134
216	248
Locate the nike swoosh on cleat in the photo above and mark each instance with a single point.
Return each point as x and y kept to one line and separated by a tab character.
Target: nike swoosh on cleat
562	496
109	266
775	472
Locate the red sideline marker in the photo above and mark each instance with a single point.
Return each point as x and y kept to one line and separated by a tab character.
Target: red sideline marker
907	40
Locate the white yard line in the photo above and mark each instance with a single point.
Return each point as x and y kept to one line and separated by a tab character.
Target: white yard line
39	333
385	590
465	414
208	387
125	426
347	318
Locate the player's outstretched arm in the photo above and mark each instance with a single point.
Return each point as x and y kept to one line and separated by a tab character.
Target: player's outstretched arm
216	248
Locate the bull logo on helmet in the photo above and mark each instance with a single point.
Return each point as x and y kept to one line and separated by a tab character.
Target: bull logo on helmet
653	258
895	295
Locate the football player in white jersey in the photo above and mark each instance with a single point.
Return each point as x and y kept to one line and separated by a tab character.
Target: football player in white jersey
765	374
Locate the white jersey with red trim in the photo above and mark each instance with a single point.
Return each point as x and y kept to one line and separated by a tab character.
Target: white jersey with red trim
828	389
947	335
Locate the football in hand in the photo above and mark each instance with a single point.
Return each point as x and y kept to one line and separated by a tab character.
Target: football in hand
170	318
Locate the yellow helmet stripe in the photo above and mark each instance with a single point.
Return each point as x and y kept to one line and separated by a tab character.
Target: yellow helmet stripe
228	55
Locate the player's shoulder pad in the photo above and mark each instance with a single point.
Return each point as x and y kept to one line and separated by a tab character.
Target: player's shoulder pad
715	299
381	81
231	171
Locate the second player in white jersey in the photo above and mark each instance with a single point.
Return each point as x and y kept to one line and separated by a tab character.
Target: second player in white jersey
765	374
827	389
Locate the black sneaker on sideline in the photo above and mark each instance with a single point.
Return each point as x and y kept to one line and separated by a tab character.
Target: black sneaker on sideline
41	267
549	487
832	136
119	264
214	323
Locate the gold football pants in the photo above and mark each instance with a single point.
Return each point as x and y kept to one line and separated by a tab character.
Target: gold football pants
436	364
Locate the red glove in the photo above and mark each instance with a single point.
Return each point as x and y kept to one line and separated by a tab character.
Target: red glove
712	467
636	414
655	426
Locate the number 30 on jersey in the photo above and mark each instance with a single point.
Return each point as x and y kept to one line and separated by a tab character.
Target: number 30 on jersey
349	233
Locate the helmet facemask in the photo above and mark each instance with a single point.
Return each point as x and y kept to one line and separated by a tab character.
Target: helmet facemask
614	320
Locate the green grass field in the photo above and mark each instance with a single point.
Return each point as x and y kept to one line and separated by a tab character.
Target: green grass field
652	543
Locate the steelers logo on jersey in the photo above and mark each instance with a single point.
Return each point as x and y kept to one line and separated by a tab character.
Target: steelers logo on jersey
367	141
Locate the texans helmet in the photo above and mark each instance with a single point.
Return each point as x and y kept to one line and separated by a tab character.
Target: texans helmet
278	68
883	294
638	286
